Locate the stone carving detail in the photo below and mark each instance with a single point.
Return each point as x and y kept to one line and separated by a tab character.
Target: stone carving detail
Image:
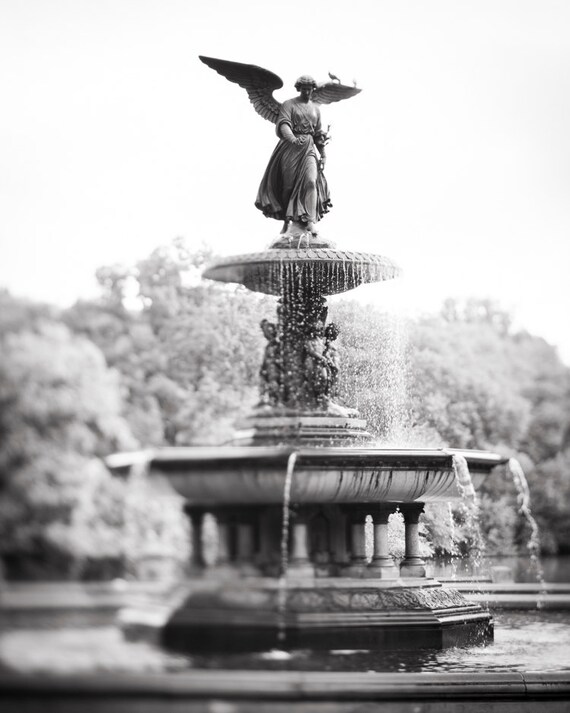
333	359
335	271
436	598
308	600
270	374
373	599
301	362
364	601
339	600
316	365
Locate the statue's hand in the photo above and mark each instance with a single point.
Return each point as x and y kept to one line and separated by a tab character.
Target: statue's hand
301	140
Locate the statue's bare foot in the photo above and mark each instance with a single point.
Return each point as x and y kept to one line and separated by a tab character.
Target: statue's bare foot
312	228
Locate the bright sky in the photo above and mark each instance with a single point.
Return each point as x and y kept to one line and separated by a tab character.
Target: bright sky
454	161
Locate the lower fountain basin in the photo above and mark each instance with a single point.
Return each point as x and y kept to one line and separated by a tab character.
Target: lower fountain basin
293	604
256	475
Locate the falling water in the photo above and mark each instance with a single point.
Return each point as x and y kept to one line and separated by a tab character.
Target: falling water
389	380
282	586
395	373
523	498
470	505
453	548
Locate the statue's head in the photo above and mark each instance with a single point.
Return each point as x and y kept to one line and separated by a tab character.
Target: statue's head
305	81
306	85
268	328
316	329
331	331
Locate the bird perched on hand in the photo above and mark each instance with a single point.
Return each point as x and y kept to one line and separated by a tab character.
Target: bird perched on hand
334	78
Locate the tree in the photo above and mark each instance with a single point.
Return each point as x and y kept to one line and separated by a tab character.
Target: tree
60	411
481	385
189	358
464	386
62	513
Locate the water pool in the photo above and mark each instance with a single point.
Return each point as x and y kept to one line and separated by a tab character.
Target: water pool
537	641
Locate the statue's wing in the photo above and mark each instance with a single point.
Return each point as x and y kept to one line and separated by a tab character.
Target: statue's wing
259	84
333	92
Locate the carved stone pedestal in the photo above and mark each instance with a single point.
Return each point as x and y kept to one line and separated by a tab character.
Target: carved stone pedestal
327	614
317	428
369	606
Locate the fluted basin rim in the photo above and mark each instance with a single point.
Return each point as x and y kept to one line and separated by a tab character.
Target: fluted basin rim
363	456
250	475
334	270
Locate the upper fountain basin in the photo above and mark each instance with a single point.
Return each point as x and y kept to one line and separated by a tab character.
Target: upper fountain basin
231	475
326	270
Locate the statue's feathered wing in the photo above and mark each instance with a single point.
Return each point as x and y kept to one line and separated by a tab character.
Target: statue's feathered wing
259	84
333	92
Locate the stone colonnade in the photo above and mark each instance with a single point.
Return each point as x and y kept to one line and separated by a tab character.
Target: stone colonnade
322	541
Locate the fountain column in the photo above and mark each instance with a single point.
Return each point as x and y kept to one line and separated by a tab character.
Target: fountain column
223	540
382	565
196	517
245	543
321	549
299	561
223	551
269	559
338	539
357	525
412	565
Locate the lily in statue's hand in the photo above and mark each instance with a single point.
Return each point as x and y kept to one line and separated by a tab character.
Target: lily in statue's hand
322	138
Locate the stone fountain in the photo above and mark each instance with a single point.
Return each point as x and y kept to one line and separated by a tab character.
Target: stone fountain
292	493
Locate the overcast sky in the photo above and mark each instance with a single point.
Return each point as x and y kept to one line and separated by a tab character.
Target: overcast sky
454	160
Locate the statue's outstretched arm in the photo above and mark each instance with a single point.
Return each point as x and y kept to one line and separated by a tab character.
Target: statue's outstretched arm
259	84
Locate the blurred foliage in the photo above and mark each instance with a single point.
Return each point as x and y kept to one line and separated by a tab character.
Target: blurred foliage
163	358
62	513
189	355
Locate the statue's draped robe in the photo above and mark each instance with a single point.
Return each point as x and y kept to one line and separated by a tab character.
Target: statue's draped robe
293	187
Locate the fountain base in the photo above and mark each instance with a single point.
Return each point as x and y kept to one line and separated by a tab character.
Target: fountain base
312	504
319	428
332	613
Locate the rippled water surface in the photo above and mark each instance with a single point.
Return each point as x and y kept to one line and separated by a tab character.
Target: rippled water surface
529	641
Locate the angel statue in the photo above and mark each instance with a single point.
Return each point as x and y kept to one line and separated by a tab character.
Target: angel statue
294	188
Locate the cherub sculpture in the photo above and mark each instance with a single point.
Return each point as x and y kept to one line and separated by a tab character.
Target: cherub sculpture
333	358
293	188
270	372
316	364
